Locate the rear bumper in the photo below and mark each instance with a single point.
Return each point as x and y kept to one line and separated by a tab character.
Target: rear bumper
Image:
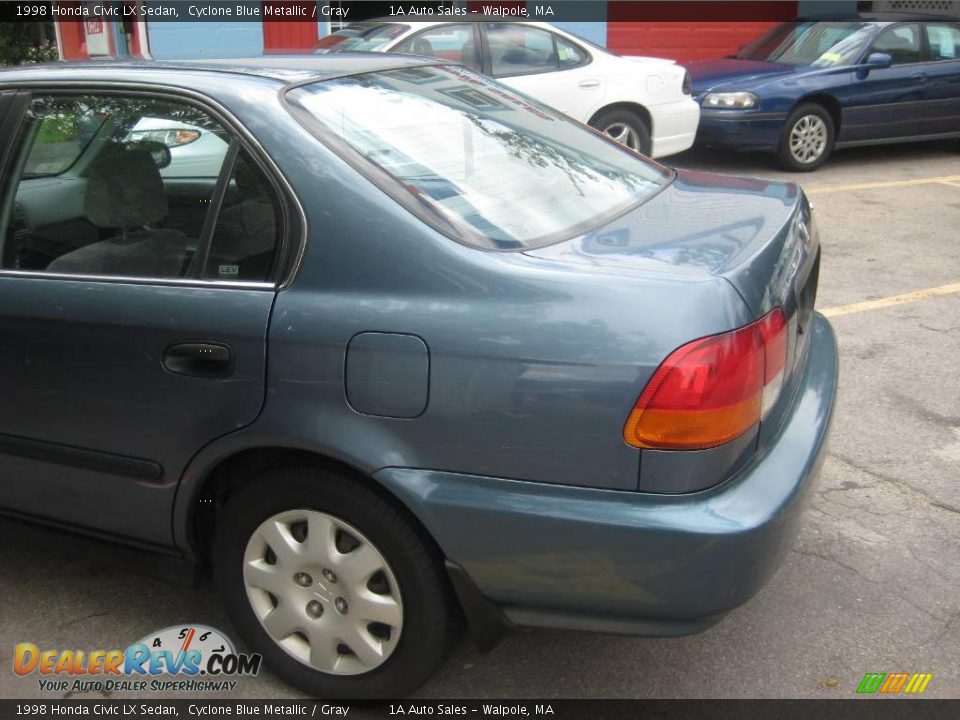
674	127
573	557
740	130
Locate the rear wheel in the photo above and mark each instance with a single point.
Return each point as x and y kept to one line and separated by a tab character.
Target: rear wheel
807	138
626	127
333	586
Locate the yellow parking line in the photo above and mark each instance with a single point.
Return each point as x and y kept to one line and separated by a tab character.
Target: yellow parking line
951	184
949	179
892	300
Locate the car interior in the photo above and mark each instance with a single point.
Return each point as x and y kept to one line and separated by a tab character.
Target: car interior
455	43
93	198
902	44
514	48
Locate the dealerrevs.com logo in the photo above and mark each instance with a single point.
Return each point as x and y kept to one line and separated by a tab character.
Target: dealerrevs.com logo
191	658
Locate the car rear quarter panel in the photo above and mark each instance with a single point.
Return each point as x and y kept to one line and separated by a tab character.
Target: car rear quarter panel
534	366
594	559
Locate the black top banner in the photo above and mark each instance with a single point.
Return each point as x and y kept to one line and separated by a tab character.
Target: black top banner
346	11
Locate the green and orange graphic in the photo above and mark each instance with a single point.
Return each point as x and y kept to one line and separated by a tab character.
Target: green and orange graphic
893	683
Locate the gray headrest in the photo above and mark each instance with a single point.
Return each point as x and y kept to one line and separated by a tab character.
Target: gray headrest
124	189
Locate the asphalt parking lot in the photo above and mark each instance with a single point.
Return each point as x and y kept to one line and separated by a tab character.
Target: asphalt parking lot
870	586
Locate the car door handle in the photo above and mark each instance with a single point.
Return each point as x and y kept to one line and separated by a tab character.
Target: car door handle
199	359
922	77
592	82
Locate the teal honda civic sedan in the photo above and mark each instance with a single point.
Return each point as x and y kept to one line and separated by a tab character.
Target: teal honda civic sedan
417	351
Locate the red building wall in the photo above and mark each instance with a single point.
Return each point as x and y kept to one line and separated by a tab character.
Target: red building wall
73	40
653	28
288	36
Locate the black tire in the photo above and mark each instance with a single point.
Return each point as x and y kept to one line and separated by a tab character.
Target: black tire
428	610
613	118
800	159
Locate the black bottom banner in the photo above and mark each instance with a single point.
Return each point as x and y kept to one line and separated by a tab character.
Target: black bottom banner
860	709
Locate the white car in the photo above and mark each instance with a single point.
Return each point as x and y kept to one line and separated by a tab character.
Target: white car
643	102
195	152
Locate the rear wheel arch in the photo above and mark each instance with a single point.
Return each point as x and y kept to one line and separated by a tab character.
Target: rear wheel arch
246	466
261	538
627	114
636	108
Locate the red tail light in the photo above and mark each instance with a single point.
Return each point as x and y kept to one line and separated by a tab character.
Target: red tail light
712	390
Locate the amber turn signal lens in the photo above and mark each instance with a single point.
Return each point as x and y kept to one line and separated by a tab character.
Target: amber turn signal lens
712	390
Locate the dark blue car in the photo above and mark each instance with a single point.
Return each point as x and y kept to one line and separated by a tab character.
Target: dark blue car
805	88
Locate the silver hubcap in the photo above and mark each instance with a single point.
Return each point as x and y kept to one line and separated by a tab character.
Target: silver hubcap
624	134
808	138
323	592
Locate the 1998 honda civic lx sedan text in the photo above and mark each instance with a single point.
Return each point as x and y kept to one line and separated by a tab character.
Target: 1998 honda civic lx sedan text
421	350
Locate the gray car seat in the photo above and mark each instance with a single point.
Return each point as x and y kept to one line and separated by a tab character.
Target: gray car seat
125	192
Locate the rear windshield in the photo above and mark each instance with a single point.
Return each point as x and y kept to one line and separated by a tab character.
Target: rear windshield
490	167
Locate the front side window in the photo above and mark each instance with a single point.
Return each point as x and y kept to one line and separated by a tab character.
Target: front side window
517	49
122	185
944	41
901	43
499	171
450	42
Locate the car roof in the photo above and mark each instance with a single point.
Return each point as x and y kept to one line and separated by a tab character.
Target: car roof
284	68
880	18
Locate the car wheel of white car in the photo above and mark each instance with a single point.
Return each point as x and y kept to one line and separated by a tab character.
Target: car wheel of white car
807	138
332	584
626	128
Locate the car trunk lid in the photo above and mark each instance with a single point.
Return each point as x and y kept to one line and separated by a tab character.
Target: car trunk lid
755	234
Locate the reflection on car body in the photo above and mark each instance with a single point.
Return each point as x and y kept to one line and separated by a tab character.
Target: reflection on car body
642	102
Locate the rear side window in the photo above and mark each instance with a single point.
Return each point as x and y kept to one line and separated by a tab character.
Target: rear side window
499	171
568	54
247	231
134	186
944	41
449	42
518	49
